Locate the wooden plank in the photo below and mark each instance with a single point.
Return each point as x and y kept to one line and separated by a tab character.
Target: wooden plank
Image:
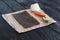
56	1
13	4
51	4
26	3
4	8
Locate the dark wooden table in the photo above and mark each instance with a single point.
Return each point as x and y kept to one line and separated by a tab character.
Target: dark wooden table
51	32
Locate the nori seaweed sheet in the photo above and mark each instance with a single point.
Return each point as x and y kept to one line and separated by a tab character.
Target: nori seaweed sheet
25	19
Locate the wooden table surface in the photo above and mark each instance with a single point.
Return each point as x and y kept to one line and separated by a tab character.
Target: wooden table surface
51	32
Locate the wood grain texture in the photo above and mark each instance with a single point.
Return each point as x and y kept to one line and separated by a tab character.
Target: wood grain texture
13	4
51	32
4	8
